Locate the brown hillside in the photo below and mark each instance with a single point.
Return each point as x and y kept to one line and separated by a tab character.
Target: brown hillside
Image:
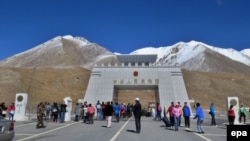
53	84
207	87
43	84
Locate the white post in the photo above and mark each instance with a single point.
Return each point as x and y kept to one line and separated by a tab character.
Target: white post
20	105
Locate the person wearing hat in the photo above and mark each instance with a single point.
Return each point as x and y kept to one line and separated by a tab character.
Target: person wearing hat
137	115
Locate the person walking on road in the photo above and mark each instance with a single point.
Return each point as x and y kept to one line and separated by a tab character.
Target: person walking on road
91	113
212	113
171	115
117	111
137	115
186	114
231	115
200	118
55	111
243	113
77	112
177	115
158	111
11	110
108	113
40	115
63	111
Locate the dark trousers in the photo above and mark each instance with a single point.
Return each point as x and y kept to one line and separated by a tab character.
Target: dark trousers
76	117
138	124
55	117
117	117
244	117
213	122
11	116
172	120
85	119
91	118
231	120
187	121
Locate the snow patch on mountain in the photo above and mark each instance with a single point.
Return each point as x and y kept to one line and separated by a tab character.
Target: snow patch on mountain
246	52
184	51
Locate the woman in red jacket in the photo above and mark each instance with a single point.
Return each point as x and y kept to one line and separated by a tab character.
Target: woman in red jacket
231	115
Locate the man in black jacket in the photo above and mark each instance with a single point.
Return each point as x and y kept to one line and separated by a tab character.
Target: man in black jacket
137	115
108	112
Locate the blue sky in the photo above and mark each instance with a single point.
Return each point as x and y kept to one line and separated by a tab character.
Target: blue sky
124	25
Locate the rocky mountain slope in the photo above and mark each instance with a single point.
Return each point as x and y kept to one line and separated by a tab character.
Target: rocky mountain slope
61	51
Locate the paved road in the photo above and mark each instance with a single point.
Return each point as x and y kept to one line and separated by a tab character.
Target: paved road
122	131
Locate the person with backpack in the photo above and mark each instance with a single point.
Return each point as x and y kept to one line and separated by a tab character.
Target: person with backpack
122	110
55	111
212	113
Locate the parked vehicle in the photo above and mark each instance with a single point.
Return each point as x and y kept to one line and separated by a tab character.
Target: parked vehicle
7	131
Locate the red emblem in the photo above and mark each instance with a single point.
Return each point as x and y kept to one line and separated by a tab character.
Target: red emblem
135	73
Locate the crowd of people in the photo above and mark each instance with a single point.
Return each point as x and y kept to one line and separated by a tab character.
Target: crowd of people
7	110
175	112
108	110
86	112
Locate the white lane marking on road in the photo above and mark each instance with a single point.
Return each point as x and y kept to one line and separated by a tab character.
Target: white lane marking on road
206	139
215	135
46	132
119	131
24	134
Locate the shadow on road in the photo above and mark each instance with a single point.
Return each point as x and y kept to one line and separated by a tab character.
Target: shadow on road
132	131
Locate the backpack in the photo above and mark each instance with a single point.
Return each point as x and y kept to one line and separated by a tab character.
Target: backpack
98	106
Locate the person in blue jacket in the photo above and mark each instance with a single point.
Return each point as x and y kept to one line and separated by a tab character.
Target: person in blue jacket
200	118
212	113
117	111
186	114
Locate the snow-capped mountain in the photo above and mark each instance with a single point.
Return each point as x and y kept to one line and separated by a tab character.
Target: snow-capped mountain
61	51
199	56
68	51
